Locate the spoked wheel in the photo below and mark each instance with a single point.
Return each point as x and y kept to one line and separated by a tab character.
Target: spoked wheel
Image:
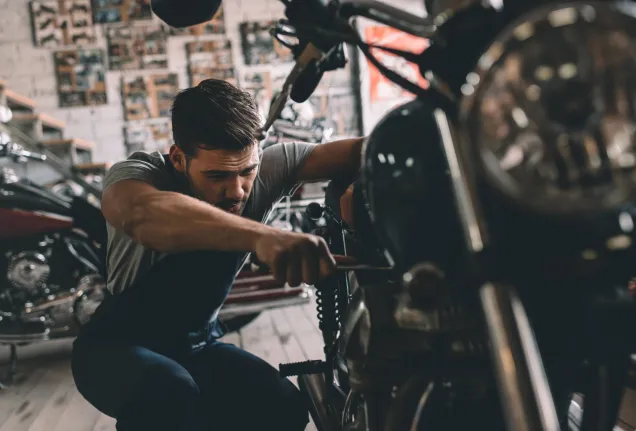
354	413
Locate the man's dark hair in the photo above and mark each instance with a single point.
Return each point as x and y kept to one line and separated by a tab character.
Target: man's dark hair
214	115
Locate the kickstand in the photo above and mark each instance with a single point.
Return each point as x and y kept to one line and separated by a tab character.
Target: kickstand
12	369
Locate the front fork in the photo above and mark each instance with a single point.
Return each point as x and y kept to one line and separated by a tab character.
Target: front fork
524	391
526	399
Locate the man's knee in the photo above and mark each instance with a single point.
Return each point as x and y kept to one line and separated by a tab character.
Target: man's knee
164	399
168	385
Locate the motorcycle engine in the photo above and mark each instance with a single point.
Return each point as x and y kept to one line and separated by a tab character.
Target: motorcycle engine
28	272
56	281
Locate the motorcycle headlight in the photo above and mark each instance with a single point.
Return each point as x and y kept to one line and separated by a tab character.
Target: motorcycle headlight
551	108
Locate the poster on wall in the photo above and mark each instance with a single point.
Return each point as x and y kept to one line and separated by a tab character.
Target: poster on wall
380	87
210	59
80	77
259	47
137	48
114	11
148	96
149	137
215	26
59	23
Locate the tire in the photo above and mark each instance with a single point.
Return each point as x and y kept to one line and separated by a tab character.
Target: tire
237	323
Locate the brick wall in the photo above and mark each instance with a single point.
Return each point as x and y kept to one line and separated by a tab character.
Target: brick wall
29	70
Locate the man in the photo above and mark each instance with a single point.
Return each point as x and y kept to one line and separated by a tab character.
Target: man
179	228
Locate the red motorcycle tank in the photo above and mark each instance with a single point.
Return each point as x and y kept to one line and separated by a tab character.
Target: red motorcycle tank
27	209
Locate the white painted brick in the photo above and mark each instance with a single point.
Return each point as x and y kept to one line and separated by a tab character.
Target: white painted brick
80	130
43	86
110	151
112	112
83	114
47	103
15	21
104	129
22	84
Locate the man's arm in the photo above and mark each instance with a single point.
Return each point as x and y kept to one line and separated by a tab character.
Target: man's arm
338	160
168	221
172	222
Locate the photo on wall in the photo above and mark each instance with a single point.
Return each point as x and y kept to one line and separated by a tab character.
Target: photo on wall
259	47
149	137
214	26
80	77
148	96
62	23
121	11
133	48
210	59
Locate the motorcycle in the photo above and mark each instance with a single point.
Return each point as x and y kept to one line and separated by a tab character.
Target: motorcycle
298	122
495	213
52	258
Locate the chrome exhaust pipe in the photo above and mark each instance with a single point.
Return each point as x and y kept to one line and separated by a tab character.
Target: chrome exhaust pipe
24	338
313	387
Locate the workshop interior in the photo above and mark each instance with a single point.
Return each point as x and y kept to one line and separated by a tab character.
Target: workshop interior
486	264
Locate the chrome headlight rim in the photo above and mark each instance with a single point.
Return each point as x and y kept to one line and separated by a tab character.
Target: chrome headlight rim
473	89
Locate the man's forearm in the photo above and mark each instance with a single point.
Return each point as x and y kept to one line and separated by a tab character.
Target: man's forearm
173	222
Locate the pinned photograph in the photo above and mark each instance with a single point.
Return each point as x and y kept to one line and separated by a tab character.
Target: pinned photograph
80	77
62	23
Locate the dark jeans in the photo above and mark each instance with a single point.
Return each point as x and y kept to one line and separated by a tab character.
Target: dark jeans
218	387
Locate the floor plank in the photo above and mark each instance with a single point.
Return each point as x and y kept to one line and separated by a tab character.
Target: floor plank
105	423
79	415
259	338
291	347
311	313
52	411
233	338
22	417
308	338
17	395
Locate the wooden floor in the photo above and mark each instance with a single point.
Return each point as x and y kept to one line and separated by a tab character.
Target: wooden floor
44	397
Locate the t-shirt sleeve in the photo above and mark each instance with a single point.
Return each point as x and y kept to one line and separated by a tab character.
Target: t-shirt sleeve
280	164
139	166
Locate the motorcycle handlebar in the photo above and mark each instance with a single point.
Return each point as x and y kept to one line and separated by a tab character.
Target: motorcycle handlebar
18	153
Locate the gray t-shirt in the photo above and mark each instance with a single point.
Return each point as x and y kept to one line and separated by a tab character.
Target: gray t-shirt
127	260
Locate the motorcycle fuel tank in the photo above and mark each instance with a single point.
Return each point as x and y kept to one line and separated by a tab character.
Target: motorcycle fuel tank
26	209
406	186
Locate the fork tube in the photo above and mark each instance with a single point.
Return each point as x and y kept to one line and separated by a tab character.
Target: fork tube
523	386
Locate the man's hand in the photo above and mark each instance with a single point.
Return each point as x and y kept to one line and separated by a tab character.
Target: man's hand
295	257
